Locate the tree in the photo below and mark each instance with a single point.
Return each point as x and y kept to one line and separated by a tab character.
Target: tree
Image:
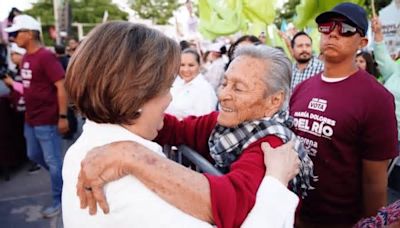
159	11
83	11
379	4
92	11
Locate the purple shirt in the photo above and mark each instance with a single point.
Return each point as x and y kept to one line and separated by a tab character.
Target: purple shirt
342	123
40	71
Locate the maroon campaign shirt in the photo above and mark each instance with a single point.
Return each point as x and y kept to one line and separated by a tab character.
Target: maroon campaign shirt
342	123
39	72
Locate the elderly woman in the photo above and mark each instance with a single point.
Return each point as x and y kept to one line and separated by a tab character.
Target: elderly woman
191	93
125	99
254	91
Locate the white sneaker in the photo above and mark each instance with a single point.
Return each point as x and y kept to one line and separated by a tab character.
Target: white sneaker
51	211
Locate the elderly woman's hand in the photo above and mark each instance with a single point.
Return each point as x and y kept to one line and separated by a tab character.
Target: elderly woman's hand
102	165
283	163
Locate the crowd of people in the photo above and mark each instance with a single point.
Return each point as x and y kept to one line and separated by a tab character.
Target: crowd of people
301	139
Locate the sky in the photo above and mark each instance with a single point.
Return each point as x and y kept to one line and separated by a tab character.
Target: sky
6	5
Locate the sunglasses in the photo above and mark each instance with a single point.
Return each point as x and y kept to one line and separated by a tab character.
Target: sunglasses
344	28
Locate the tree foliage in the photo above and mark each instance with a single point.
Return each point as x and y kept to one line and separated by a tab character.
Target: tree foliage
379	4
83	11
159	11
288	10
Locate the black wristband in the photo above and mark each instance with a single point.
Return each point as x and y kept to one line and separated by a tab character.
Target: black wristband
62	116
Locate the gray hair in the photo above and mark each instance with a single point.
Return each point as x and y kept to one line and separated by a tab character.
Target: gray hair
279	73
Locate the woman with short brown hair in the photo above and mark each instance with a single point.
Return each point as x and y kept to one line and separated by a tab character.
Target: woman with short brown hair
118	68
119	78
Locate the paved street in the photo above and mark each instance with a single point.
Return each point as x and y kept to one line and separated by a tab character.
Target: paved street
22	199
25	195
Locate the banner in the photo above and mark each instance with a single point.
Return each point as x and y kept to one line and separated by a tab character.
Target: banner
226	17
390	19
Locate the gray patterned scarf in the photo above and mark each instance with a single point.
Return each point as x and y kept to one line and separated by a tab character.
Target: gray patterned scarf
226	145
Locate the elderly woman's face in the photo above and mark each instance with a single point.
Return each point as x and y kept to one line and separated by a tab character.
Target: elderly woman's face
242	93
190	68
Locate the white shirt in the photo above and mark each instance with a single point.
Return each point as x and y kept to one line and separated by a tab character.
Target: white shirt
196	97
131	203
215	73
275	206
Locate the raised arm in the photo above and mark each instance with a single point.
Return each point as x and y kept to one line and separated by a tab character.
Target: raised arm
386	64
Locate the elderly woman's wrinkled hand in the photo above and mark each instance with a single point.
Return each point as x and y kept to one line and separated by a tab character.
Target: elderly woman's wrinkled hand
283	162
101	165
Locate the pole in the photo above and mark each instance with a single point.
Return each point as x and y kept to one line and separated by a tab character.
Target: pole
56	4
373	8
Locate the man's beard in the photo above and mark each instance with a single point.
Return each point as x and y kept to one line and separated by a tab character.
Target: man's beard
303	60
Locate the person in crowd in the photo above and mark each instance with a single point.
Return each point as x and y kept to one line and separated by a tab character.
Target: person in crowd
191	93
18	101
61	55
206	61
216	69
243	40
365	61
184	44
6	146
389	69
74	119
305	65
3	66
252	97
16	54
338	115
262	37
8	22
46	104
73	44
124	100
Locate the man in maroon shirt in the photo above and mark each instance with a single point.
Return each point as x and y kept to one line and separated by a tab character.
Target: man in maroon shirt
46	103
347	120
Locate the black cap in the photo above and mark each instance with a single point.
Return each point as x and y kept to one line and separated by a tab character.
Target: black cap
352	12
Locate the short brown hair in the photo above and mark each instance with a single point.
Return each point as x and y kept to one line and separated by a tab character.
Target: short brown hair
119	67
